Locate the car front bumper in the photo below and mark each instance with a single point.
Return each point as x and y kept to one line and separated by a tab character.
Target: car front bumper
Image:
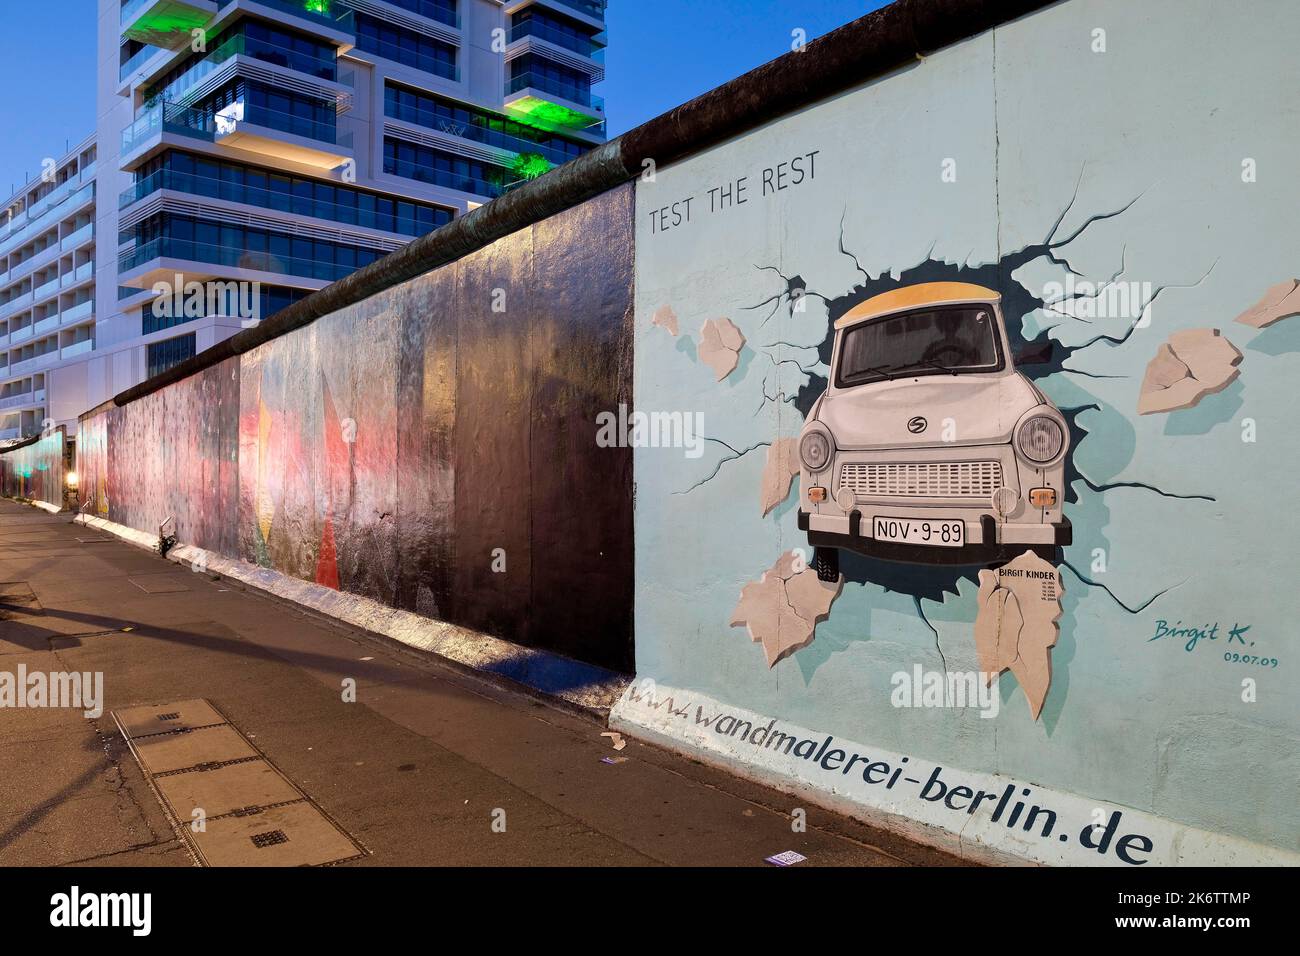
988	541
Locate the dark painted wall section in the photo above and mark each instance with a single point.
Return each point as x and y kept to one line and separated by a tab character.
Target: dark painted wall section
432	447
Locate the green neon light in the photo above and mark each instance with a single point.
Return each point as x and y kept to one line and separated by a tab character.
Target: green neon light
317	6
544	114
164	24
531	165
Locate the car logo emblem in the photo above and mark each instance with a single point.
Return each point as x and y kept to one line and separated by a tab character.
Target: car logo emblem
916	425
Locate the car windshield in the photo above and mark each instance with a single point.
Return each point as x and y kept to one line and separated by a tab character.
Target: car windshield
933	342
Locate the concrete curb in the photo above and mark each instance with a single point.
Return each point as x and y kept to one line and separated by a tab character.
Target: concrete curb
571	684
36	503
670	717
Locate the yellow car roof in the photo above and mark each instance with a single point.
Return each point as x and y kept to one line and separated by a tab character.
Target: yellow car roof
913	296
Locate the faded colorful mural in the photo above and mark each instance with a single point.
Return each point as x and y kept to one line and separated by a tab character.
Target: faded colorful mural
431	448
35	470
994	422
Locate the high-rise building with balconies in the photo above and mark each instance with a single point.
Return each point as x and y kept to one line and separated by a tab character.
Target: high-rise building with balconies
47	285
258	150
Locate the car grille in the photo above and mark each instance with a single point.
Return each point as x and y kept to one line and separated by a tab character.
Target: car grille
933	479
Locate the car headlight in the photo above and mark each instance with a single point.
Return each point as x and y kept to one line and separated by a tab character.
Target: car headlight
815	451
1040	439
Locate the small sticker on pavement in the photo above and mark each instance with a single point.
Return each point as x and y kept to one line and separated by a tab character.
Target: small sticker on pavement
788	858
613	760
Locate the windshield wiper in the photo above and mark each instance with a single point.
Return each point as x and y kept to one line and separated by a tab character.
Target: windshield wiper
882	370
941	368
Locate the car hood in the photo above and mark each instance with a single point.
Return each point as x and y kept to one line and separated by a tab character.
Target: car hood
984	410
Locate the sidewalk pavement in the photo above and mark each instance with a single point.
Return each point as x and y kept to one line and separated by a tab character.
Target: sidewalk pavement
413	770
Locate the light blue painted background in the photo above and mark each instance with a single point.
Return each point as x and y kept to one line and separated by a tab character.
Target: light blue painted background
1184	92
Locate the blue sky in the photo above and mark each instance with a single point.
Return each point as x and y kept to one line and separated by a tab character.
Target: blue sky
662	53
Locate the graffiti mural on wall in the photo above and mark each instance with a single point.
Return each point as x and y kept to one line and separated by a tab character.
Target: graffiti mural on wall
432	448
35	470
992	394
172	454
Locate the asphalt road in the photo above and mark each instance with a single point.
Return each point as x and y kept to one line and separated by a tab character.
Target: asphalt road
413	769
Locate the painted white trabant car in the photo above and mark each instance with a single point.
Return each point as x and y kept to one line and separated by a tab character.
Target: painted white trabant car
928	446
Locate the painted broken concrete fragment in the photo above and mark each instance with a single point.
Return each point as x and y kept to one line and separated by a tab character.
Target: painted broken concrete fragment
1282	301
780	470
665	318
1189	365
720	345
781	609
1015	627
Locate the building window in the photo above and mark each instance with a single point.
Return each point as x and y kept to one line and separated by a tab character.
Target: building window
251	38
444	11
243	247
406	47
560	30
459	119
413	161
272	299
550	77
284	192
163	355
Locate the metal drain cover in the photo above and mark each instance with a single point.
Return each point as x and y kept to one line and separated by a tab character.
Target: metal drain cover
236	786
252	815
163	753
161	718
293	835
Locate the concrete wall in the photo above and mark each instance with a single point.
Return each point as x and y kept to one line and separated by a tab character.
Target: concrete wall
1041	152
429	448
464	443
35	470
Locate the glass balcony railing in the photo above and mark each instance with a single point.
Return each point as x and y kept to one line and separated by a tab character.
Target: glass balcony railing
444	11
41	214
171	118
77	312
131	8
592	8
479	134
411	58
328	13
77	348
570	91
277	200
46	289
77	238
578	43
79	274
138	60
241	45
324	131
237	257
446	178
167	117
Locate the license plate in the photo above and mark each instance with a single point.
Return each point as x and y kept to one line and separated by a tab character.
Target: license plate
928	531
